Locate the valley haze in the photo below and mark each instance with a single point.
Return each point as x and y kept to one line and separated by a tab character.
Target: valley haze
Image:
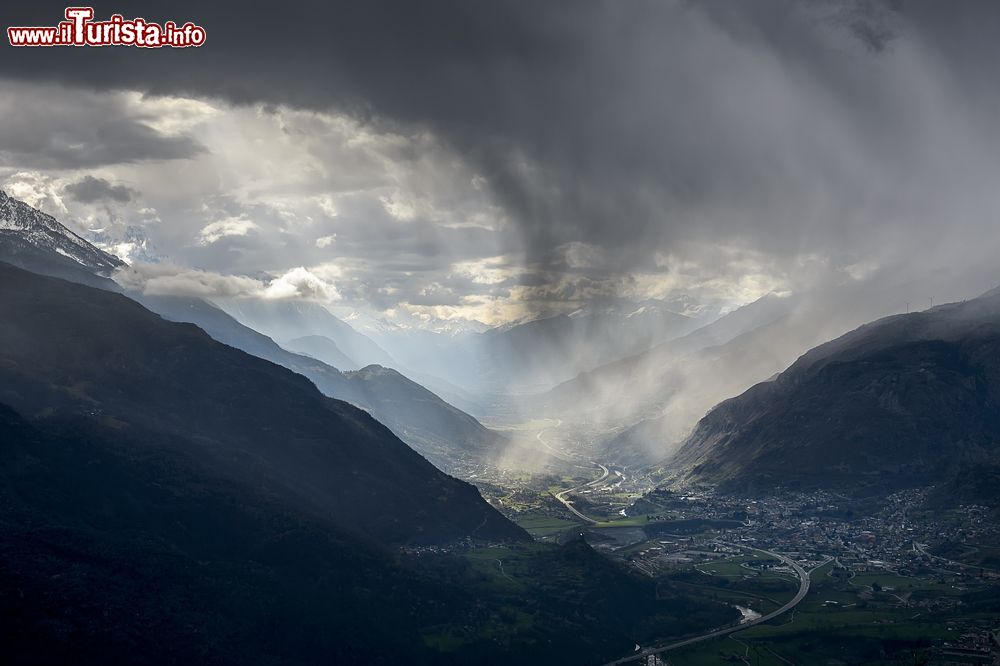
534	332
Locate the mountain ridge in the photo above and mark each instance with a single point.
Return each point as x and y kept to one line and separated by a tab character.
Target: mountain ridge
437	430
43	231
902	401
100	364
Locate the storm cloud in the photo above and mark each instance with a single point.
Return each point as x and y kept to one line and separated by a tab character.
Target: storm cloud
622	143
42	129
90	189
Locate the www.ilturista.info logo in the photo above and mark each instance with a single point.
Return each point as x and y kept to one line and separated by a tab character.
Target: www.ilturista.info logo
79	29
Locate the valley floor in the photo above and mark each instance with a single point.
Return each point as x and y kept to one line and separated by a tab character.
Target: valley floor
892	582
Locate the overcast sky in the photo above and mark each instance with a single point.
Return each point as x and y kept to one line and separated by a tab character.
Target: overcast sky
495	160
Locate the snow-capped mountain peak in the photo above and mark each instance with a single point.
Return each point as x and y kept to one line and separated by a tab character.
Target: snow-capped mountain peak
22	223
130	244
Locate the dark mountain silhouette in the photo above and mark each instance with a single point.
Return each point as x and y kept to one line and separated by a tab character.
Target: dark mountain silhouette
72	352
442	433
35	241
907	400
126	547
433	427
165	498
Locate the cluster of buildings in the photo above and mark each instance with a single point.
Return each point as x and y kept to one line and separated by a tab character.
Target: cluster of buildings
893	535
897	537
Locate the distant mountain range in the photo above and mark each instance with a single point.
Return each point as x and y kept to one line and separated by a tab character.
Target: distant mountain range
165	498
614	380
321	348
168	498
97	360
908	400
446	435
647	403
650	402
298	324
535	355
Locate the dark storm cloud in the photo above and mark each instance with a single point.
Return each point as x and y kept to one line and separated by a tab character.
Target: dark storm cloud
45	128
90	190
791	127
578	113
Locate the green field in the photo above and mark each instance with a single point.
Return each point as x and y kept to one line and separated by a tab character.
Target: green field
861	627
634	521
540	525
536	588
733	567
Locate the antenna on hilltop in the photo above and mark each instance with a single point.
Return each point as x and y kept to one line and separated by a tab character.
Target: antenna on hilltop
907	307
931	299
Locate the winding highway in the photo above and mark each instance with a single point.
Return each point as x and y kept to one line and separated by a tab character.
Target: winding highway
718	633
922	549
802	574
561	496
